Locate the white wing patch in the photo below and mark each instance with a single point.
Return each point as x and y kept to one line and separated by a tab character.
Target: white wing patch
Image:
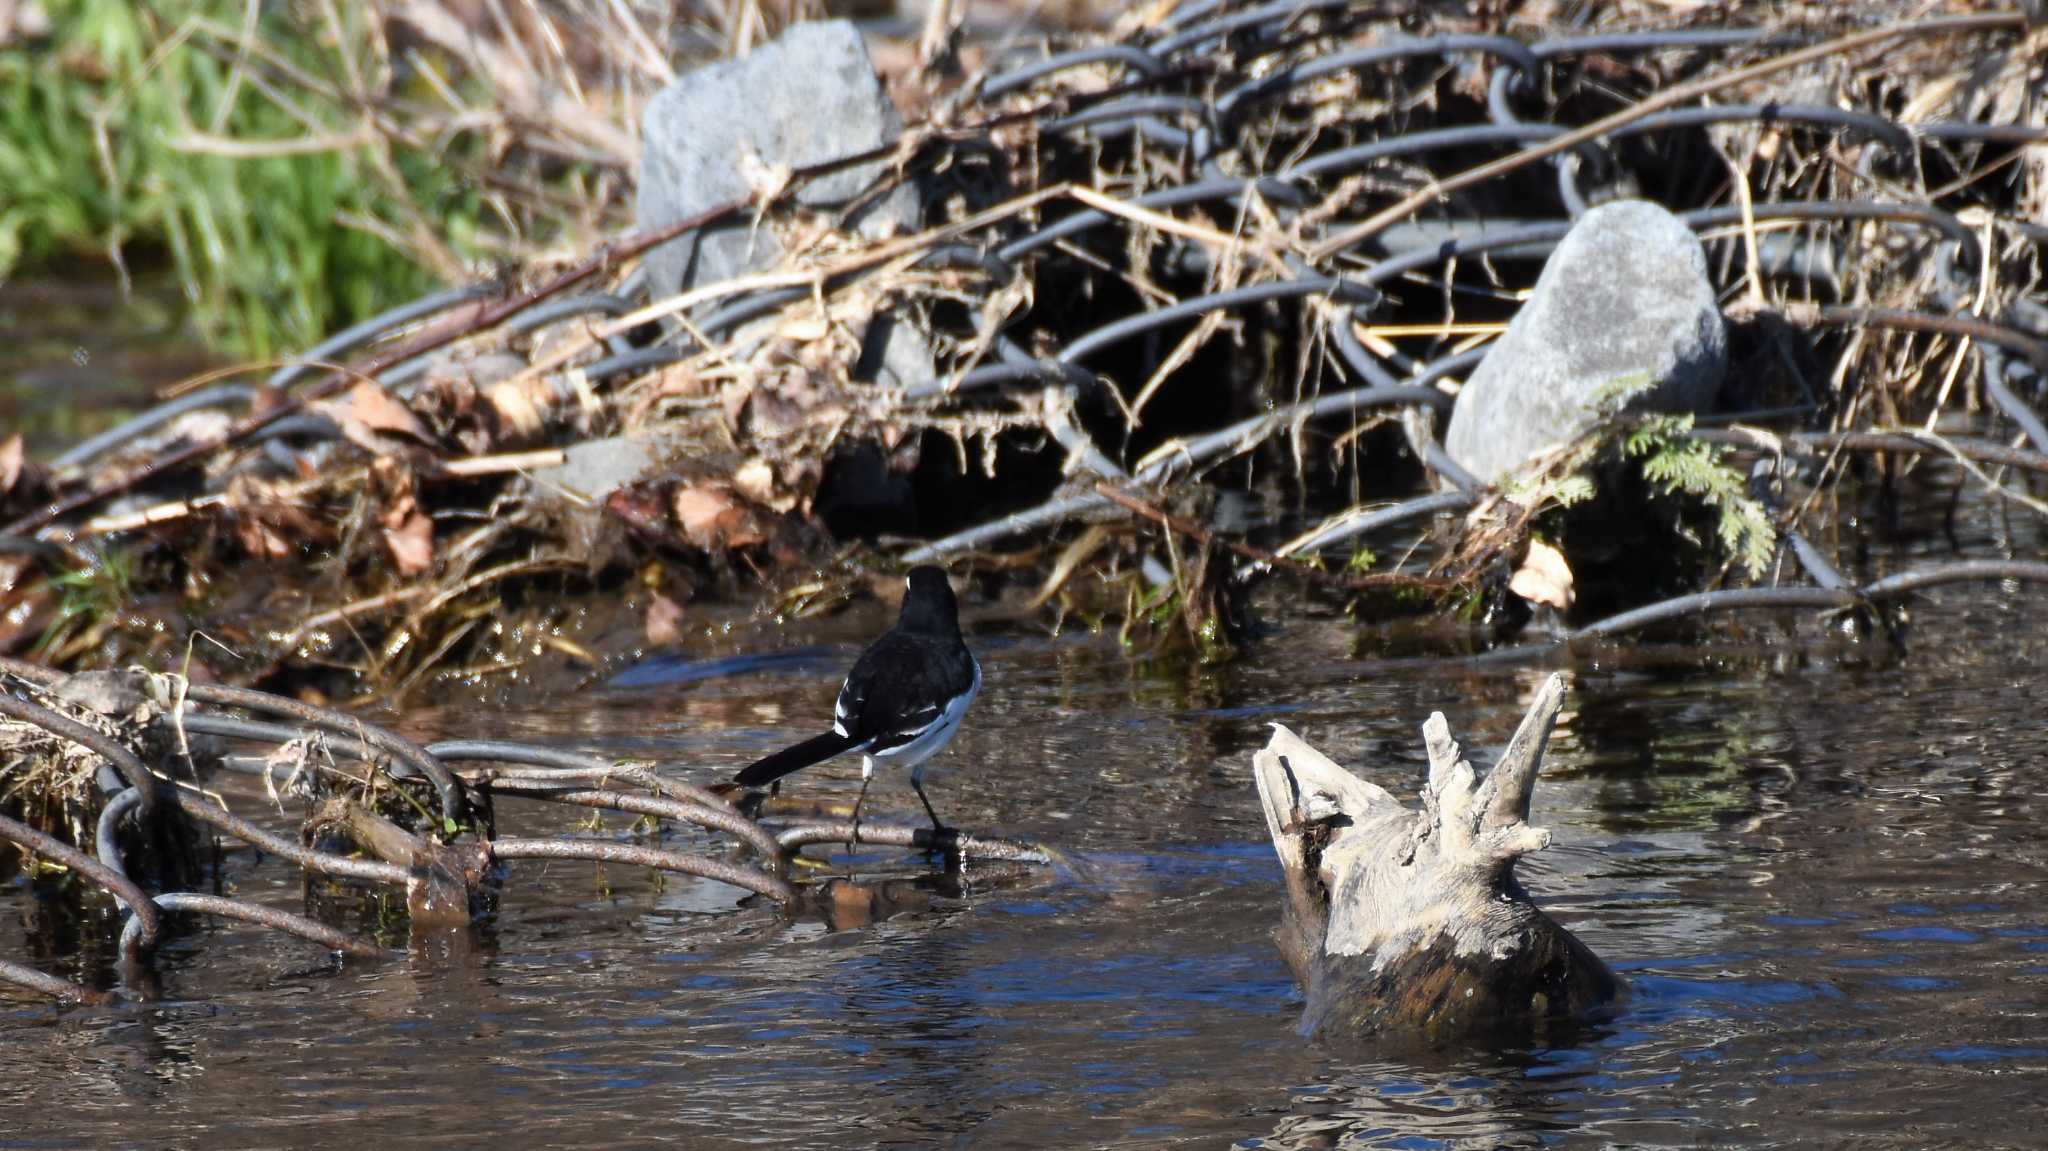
841	712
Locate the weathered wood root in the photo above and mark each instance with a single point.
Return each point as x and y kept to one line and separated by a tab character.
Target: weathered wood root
1412	921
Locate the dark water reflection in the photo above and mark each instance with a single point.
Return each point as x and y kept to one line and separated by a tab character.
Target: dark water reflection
78	355
1821	866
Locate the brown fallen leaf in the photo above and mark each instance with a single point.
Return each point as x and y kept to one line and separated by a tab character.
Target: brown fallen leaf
452	404
670	382
642	509
664	620
733	400
261	539
521	410
267	525
1544	577
408	532
28	605
367	414
12	459
712	516
755	480
22	481
412	544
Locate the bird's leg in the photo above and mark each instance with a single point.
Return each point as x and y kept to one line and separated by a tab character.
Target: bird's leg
867	775
917	783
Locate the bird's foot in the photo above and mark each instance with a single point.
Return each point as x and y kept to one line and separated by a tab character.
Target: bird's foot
940	840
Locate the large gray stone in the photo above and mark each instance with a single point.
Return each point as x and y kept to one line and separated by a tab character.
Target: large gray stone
1625	295
809	96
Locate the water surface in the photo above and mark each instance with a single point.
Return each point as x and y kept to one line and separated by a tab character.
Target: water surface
1818	859
1820	865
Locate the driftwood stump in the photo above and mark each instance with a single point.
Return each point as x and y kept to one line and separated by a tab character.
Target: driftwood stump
1412	921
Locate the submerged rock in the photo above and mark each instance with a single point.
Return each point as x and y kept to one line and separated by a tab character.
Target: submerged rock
809	96
1622	312
1401	921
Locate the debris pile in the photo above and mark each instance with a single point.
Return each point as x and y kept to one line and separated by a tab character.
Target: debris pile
1137	320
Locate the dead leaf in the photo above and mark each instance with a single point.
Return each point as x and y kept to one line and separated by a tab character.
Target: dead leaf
804	329
367	413
671	381
408	532
412	544
450	402
734	400
640	508
266	525
788	402
712	517
260	539
12	458
23	482
762	177
664	621
520	415
1544	577
755	480
27	603
703	512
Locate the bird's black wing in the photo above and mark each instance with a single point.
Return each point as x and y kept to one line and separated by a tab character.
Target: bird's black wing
896	691
900	687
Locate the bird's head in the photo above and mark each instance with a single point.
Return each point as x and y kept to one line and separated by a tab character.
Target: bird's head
928	603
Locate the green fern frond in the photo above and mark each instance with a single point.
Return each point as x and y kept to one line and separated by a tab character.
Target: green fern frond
1572	489
1680	465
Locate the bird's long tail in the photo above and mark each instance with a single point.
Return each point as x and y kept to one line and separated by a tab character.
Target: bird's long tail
817	749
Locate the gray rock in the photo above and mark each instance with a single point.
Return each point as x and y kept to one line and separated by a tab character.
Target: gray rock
808	96
1626	294
575	490
595	469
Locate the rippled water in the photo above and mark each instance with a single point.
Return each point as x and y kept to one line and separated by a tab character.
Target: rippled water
1822	868
1820	862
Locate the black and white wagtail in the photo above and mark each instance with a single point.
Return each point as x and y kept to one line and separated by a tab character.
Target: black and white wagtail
902	701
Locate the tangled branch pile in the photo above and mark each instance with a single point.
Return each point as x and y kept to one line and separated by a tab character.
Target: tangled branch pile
111	775
1189	289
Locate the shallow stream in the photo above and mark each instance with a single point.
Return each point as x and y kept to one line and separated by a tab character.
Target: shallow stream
1820	865
1819	861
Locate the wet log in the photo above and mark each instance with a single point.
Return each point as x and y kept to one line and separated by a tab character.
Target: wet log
443	882
1412	922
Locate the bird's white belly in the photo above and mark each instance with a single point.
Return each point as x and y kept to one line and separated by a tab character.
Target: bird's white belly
933	739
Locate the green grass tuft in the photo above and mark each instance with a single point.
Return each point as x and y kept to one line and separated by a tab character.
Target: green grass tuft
109	138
